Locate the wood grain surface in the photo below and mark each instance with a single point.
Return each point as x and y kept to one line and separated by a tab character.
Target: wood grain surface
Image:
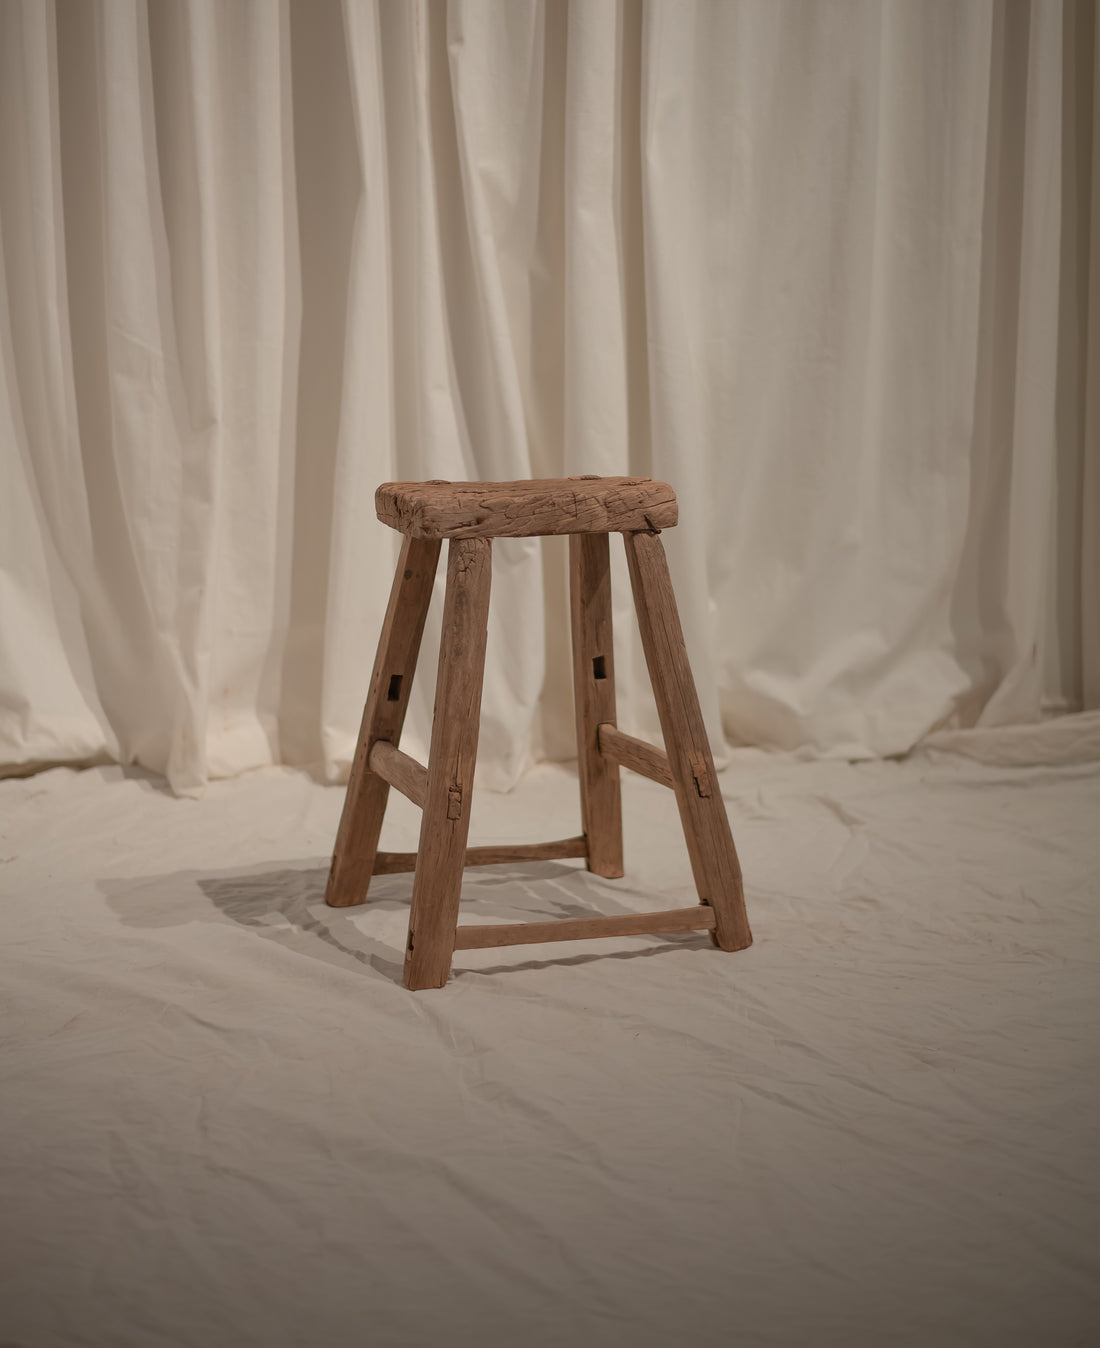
383	717
594	699
526	509
401	863
437	882
637	755
409	776
470	514
699	918
702	810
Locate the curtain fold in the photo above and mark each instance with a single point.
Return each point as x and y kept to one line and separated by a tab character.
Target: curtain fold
832	270
1083	354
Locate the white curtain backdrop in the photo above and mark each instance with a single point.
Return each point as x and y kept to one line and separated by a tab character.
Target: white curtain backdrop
831	269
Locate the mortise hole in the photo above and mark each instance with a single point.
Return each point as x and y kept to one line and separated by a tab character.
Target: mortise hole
599	667
394	694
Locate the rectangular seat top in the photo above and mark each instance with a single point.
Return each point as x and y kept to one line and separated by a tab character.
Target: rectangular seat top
572	505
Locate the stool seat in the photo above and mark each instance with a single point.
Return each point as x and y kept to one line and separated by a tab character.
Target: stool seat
534	508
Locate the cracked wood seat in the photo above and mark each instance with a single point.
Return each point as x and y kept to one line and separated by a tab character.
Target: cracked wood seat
470	515
587	505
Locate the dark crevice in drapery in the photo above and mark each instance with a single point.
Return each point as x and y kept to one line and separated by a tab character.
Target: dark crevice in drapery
47	443
180	178
549	455
187	344
396	104
630	220
329	185
1083	69
112	601
1078	47
469	351
979	615
546	416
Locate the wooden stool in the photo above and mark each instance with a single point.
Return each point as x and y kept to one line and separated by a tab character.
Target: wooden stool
471	515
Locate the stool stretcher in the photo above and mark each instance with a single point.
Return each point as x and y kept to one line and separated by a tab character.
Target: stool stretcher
699	918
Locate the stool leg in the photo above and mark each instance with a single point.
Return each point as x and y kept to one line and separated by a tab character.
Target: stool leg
383	716
594	699
446	822
702	811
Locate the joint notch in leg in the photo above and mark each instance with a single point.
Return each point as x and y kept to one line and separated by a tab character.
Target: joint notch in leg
701	775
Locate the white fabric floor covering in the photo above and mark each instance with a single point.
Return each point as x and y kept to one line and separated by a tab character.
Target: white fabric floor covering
225	1122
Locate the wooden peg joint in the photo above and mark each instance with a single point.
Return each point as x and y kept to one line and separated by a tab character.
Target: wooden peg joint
701	775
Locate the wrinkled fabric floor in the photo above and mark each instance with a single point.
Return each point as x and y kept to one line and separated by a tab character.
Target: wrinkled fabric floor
225	1122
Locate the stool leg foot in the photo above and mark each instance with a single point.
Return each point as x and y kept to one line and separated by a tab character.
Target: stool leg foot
702	811
383	716
438	881
594	699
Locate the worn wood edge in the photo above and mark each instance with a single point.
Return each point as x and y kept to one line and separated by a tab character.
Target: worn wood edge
711	848
637	755
401	863
400	771
585	928
526	508
365	799
593	641
452	760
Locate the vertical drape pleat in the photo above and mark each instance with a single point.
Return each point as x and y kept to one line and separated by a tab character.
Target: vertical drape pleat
1085	117
50	707
829	269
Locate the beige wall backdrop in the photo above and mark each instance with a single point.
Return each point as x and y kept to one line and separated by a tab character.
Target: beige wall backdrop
831	269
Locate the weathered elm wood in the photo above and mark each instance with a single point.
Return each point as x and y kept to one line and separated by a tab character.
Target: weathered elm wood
383	717
409	776
698	918
442	853
526	509
635	754
401	863
470	514
594	699
702	811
